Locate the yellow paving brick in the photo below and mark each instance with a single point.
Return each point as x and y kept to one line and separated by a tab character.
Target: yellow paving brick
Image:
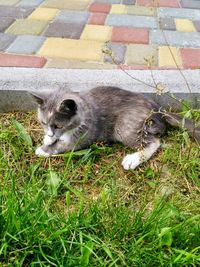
118	9
169	57
96	32
8	2
44	14
141	10
66	4
27	27
72	49
184	25
76	64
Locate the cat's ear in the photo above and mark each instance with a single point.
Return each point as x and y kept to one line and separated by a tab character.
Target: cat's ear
39	99
68	106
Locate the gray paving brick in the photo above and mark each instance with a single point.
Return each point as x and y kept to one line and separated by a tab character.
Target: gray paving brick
167	24
30	3
197	25
133	21
5	40
64	30
186	13
118	51
190	4
79	17
26	44
173	38
15	12
128	2
5	23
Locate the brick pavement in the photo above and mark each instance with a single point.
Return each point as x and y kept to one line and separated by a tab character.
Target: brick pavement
76	34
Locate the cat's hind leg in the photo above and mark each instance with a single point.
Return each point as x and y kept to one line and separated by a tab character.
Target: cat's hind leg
131	161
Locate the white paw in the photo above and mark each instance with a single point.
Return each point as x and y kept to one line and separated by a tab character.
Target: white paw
41	153
131	161
48	140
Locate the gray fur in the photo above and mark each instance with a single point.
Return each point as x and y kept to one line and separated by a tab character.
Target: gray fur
107	114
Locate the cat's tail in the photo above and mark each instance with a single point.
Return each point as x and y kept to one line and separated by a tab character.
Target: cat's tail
180	122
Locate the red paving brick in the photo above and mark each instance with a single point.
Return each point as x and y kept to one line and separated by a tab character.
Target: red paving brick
162	3
97	18
9	60
130	35
100	7
190	57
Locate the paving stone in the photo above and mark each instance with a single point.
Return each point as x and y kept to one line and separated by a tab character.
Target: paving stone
100	7
169	57
66	4
197	25
30	3
133	67
190	4
5	23
174	38
9	60
136	54
66	64
143	67
97	18
5	40
8	2
157	3
184	25
130	35
118	53
72	49
190	57
27	27
96	32
184	13
118	9
44	14
141	11
64	30
68	16
167	24
109	1
15	12
26	44
128	2
132	21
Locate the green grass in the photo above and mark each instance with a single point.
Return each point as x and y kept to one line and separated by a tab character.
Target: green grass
83	209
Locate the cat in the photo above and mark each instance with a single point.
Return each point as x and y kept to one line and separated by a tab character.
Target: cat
73	121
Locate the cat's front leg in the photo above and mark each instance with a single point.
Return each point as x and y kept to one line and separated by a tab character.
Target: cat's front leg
46	149
48	140
42	151
56	148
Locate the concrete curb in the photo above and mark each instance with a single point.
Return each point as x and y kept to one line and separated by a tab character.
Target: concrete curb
15	82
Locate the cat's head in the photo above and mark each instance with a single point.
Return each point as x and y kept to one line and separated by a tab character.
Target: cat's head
57	113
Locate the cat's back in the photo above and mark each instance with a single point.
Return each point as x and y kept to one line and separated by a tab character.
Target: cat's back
116	99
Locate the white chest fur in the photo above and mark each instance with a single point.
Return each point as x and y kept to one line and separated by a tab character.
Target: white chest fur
48	140
66	138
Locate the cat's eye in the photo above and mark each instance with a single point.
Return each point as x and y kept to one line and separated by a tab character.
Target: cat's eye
58	126
44	123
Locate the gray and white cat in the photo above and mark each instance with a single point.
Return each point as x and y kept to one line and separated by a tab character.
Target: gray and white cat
73	121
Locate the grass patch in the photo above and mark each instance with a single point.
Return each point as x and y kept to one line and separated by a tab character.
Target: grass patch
83	209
